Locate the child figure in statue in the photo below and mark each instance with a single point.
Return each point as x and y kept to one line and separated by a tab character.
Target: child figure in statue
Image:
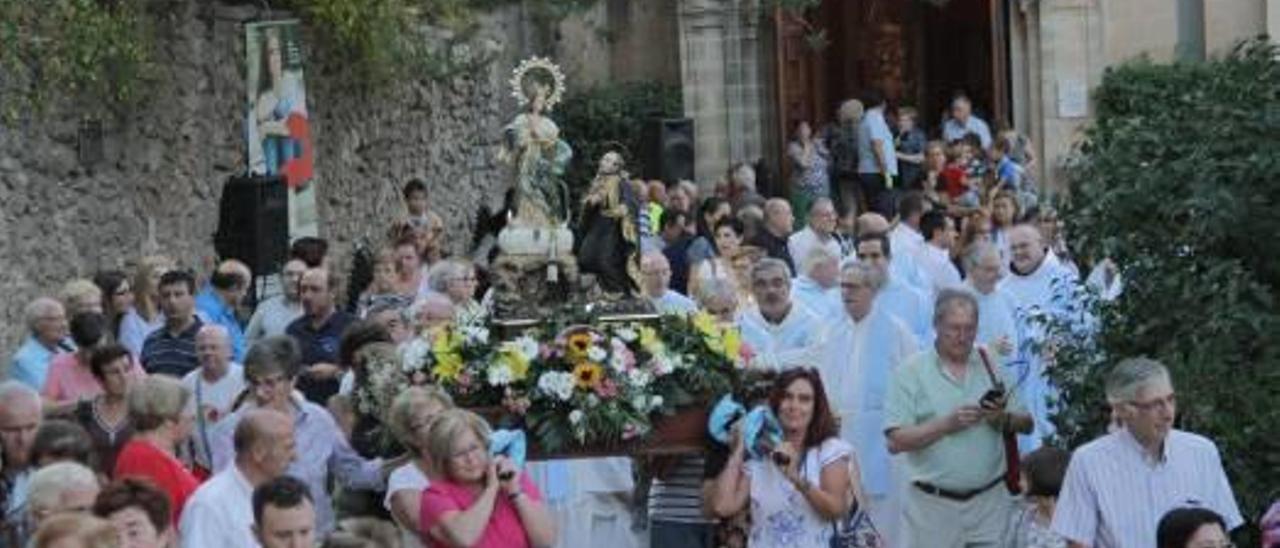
609	246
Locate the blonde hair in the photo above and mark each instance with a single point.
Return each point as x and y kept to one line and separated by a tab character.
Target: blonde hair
155	399
49	483
449	426
141	283
77	291
850	111
404	418
84	530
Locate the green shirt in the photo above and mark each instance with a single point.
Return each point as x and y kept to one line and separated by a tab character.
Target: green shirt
921	390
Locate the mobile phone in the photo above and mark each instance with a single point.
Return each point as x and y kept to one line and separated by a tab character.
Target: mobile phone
780	458
992	398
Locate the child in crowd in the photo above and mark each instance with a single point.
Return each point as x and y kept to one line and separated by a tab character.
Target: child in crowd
910	142
1010	176
963	188
1042	474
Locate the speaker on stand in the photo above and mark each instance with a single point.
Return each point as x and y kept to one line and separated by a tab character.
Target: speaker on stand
253	224
667	151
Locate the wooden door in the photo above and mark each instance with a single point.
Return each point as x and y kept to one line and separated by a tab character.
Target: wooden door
800	81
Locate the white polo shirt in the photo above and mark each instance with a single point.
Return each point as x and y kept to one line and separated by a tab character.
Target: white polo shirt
1114	495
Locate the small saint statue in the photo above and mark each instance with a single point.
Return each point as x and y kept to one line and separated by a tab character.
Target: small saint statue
609	246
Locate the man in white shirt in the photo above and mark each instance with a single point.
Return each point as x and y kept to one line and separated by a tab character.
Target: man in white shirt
284	514
1118	486
656	271
962	122
780	334
904	302
214	387
220	512
906	237
821	231
816	288
934	256
275	314
862	351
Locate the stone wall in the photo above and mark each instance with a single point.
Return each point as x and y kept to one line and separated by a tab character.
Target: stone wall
165	164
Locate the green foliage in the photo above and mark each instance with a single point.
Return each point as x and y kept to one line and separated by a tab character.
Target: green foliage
598	119
1177	184
97	54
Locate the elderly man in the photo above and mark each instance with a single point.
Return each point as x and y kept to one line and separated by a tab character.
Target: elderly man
944	412
1118	486
781	334
997	327
962	122
816	287
274	315
20	417
171	350
271	368
47	328
657	277
934	257
284	514
214	386
901	300
862	351
218	301
778	222
318	332
61	487
821	231
220	512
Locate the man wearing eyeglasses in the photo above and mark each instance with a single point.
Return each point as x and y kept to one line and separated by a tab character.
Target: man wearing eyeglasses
1118	486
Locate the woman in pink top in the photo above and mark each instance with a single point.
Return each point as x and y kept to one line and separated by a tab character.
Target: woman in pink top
70	378
468	502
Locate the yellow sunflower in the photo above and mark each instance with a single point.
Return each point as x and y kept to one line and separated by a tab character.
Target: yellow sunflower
587	375
577	344
705	323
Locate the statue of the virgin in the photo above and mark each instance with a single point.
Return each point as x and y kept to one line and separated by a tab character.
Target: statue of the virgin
533	146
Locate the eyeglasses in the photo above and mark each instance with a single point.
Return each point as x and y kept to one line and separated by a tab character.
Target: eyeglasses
1169	402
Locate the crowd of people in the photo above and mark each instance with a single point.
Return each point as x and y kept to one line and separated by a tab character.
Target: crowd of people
153	409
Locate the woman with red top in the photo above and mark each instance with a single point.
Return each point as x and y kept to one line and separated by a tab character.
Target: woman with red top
158	407
474	499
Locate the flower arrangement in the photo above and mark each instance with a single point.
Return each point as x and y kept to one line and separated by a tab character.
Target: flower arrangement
598	385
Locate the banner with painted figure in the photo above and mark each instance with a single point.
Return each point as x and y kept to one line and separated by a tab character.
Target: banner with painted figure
277	126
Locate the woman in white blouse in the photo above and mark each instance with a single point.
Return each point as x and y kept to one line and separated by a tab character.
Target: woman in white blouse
799	492
410	414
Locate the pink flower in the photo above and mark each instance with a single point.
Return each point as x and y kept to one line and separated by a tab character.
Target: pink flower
629	431
606	388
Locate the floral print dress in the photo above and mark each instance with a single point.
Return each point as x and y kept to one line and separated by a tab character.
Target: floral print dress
780	515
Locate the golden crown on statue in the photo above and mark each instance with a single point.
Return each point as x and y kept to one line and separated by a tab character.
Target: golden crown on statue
546	73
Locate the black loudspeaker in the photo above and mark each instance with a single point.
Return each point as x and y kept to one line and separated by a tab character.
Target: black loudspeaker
253	222
668	149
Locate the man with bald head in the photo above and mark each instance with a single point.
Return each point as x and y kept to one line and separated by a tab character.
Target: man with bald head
220	513
656	274
218	301
821	231
20	417
47	335
214	386
778	221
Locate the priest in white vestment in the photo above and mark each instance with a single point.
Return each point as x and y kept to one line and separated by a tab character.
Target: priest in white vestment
816	288
934	257
912	307
780	334
656	273
903	267
862	352
589	501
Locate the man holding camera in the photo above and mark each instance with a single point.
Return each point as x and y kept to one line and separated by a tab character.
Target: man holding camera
951	411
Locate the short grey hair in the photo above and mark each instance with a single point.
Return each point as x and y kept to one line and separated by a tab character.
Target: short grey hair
273	354
51	482
867	274
12	391
402	417
976	252
155	399
716	288
39	307
819	255
1130	375
950	298
769	264
439	276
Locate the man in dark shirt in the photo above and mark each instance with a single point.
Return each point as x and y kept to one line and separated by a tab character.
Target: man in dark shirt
318	333
171	350
778	221
676	237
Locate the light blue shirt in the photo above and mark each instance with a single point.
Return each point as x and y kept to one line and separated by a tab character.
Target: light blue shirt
823	302
30	363
953	130
874	128
213	310
672	302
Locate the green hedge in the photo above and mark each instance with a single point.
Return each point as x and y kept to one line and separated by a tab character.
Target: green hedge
1179	183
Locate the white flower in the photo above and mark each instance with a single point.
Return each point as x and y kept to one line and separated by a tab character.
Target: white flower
527	346
557	383
639	378
499	374
592	400
662	365
413	355
476	335
575	416
596	354
627	334
655	402
638	402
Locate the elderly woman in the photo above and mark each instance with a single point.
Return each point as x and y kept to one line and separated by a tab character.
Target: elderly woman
106	416
144	316
720	299
64	487
162	419
411	413
81	295
70	377
475	499
271	369
797	495
456	279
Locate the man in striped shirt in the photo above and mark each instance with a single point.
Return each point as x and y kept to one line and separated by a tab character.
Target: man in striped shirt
171	350
1118	486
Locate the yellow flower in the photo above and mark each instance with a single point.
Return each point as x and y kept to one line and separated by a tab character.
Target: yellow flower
587	375
446	341
518	365
732	343
705	323
447	367
577	345
649	340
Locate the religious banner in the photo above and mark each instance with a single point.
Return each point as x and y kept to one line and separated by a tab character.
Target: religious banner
277	127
